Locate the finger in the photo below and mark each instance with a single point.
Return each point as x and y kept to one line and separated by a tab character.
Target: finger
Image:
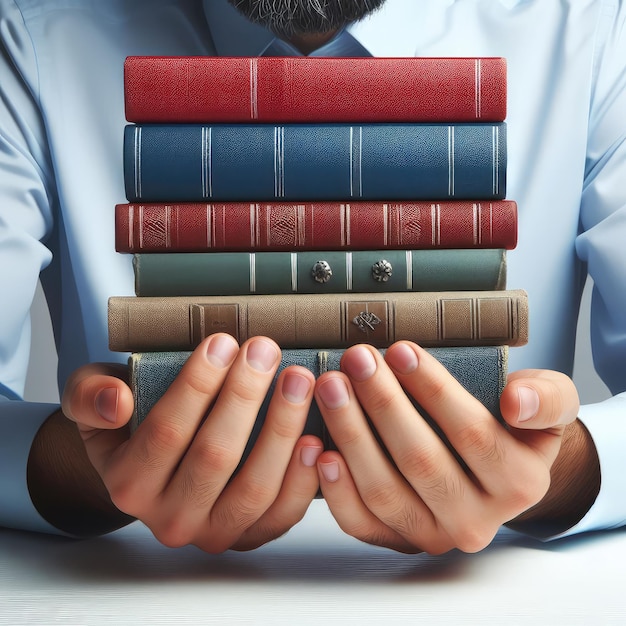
99	401
349	510
299	487
539	399
141	470
209	461
383	490
502	465
257	484
96	396
450	493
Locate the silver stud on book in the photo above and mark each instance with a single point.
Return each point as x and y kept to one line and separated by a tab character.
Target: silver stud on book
382	271
321	272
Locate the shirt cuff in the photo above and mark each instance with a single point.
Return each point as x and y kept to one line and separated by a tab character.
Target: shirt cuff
19	423
606	423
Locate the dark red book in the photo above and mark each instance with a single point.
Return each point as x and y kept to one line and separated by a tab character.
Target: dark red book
314	89
245	226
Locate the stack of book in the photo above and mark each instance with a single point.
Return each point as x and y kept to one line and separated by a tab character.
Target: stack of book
321	202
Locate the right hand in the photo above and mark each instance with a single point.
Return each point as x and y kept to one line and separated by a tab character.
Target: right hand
175	473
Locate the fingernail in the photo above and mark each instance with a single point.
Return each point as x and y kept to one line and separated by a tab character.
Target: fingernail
261	355
333	393
528	403
330	471
309	454
295	387
402	358
221	350
106	404
359	363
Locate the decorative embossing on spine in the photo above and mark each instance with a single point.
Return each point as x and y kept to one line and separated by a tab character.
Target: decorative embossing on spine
207	319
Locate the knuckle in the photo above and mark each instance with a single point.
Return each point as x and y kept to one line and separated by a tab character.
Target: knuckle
251	502
213	458
526	493
126	497
159	437
482	442
382	399
381	496
371	533
174	533
347	434
474	538
421	464
423	467
285	427
433	392
195	490
200	381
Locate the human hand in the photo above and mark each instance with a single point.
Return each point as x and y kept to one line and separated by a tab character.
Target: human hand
426	500
175	473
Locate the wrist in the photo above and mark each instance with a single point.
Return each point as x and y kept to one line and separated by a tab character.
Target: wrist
574	487
64	487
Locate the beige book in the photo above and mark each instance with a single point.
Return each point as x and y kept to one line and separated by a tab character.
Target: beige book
438	318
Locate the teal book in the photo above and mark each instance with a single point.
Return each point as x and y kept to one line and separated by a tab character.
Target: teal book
482	370
245	273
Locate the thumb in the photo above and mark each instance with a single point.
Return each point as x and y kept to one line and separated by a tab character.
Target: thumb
96	396
539	399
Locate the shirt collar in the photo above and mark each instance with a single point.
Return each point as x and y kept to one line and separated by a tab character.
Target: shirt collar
234	35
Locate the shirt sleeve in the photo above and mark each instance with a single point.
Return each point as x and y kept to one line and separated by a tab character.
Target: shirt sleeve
602	246
27	203
606	423
19	423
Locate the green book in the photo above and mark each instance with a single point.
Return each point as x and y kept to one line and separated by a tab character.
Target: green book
367	271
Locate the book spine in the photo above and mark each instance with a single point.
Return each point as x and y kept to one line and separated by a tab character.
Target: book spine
482	371
375	271
448	318
360	225
258	162
270	89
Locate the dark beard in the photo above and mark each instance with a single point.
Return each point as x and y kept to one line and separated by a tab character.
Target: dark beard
286	18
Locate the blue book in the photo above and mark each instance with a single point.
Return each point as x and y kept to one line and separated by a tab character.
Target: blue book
482	370
257	162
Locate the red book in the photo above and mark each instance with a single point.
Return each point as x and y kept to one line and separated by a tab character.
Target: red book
244	226
314	89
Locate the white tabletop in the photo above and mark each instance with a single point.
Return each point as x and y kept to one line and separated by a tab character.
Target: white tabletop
313	575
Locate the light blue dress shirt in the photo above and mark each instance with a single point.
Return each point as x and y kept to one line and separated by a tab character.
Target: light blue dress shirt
61	125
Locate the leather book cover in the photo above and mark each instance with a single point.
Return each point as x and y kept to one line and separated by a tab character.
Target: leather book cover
376	271
482	370
308	89
302	162
443	318
284	226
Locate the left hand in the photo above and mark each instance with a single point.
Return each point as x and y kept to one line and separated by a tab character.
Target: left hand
425	500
